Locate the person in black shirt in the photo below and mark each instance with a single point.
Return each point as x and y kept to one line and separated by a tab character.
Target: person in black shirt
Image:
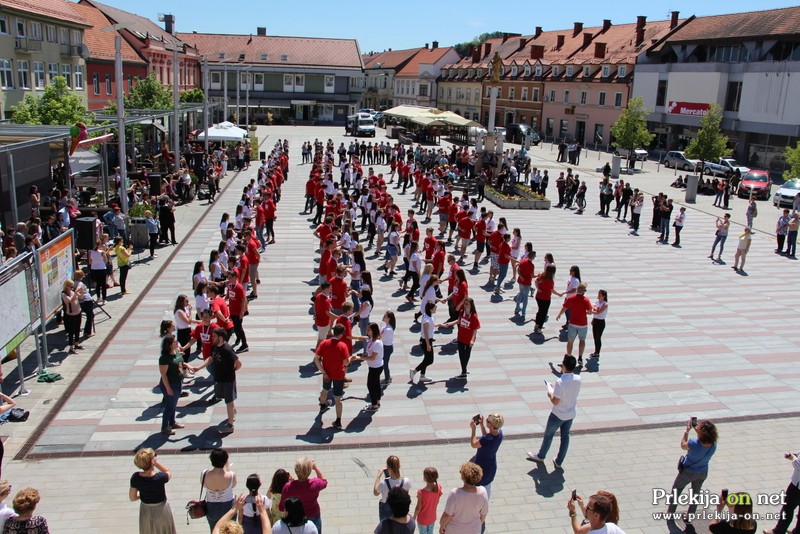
226	363
148	487
666	217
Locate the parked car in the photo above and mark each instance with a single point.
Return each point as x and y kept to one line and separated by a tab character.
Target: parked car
715	169
678	160
639	154
733	166
757	183
360	124
784	197
516	133
500	131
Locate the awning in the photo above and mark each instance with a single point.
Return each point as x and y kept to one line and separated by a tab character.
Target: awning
264	103
425	116
224	131
427	121
83	160
303	102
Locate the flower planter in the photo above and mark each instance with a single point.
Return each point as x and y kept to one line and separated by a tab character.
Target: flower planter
526	202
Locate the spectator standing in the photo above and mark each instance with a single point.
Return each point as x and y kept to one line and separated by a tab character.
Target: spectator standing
791	236
24	504
781	230
5	512
148	486
792	499
694	468
487	446
399	503
386	480
85	301
307	491
72	315
742	248
741	516
564	397
219	483
680	219
598	512
123	263
751	212
153	232
467	507
721	235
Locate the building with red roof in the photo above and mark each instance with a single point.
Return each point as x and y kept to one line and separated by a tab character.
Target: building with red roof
415	83
380	69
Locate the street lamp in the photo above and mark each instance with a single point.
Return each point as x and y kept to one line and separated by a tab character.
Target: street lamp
122	158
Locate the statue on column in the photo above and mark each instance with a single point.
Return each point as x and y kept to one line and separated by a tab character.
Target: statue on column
497	64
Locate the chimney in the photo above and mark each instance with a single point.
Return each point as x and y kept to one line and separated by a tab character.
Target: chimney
537	51
261	31
470	50
599	50
476	55
169	23
606	24
522	43
587	38
640	23
578	28
426	46
673	23
505	37
538	32
559	41
487	48
434	45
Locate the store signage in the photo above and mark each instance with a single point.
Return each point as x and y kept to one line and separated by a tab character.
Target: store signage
691	109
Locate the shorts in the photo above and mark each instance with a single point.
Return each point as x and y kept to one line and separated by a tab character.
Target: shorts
391	251
322	332
481	246
225	391
579	331
338	387
442	217
452	225
495	260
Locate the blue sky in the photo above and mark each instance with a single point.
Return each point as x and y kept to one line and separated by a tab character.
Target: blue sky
411	23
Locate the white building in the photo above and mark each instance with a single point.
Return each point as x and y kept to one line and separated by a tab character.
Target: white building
415	83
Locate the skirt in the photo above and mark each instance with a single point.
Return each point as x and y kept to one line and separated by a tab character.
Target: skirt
156	519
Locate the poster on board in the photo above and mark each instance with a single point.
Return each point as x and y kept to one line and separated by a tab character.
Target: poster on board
56	263
19	295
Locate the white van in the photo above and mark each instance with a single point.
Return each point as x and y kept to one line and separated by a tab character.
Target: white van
360	124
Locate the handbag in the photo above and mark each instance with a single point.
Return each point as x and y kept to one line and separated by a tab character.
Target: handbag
682	461
195	509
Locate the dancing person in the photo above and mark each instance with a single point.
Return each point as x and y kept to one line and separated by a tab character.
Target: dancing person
545	289
426	344
468	326
373	355
599	313
387	337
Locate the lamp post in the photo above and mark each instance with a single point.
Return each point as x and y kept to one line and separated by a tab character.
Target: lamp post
205	105
122	157
175	106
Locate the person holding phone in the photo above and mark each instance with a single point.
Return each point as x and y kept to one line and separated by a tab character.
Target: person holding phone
487	446
386	479
601	514
741	515
792	499
695	465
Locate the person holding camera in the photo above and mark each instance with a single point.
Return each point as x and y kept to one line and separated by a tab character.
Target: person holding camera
693	469
600	514
792	499
386	479
487	446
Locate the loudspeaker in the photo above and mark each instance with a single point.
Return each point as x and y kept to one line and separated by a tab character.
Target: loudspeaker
86	239
155	184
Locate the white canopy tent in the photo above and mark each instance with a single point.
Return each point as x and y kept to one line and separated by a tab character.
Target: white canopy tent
83	160
430	116
224	131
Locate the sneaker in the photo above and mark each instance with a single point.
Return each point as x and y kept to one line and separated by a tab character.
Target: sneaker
556	465
323	407
411	373
424	379
177	425
462	376
167	431
243	348
337	424
535	457
226	428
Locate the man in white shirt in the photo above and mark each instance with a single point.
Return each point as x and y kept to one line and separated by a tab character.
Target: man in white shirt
597	512
564	397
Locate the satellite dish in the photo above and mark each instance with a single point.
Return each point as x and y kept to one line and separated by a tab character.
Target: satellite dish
83	51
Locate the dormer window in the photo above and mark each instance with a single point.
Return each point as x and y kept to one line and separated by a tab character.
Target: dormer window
460	72
513	70
527	70
502	70
569	71
555	71
587	71
471	73
606	71
622	71
538	71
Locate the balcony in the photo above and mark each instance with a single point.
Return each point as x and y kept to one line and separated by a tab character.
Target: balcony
70	50
24	44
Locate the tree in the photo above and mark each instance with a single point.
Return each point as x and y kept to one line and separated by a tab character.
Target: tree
630	130
793	162
462	48
195	95
148	93
710	143
58	105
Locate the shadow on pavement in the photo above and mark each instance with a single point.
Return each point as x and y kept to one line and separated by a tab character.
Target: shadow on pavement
547	484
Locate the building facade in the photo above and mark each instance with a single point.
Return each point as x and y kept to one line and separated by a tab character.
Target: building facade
39	41
268	78
459	86
101	82
747	63
415	83
380	69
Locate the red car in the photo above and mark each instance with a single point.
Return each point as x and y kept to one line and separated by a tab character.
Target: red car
756	183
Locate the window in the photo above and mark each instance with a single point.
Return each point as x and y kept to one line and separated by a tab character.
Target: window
216	79
423	89
52	71
524	95
108	84
535	94
661	93
130	83
606	71
299	83
3	25
96	83
617	100
50	33
499	92
555	72
562	131
622	71
244	80
601	100
66	72
330	83
584	95
36	31
734	96
538	71
64	35
258	81
77	37
264	57
488	92
587	71
21	28
548	127
569	71
23	77
78	76
566	97
6	75
552	95
288	83
527	70
469	95
284	57
511	93
513	70
38	75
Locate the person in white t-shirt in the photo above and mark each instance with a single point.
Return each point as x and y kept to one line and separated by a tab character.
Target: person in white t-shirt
564	396
599	512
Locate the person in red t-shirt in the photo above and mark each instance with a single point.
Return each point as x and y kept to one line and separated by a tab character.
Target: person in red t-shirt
444	210
438	259
468	325
340	290
253	259
332	358
545	289
579	307
503	260
452	220
237	304
202	333
270	209
465	225
323	316
429	244
525	271
480	239
220	309
495	239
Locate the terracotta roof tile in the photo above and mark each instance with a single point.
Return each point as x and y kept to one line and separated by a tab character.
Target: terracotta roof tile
100	43
341	53
137	25
424	57
741	26
389	59
620	41
54	9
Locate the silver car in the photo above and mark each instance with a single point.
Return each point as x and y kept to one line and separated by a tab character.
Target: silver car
678	160
784	197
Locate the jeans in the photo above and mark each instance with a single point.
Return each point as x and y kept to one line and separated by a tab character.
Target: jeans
678	234
317	523
721	240
426	529
374	384
464	353
683	479
718	198
553	424
215	511
791	244
501	275
665	229
171	405
387	354
355	285
541	314
522	299
260	235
